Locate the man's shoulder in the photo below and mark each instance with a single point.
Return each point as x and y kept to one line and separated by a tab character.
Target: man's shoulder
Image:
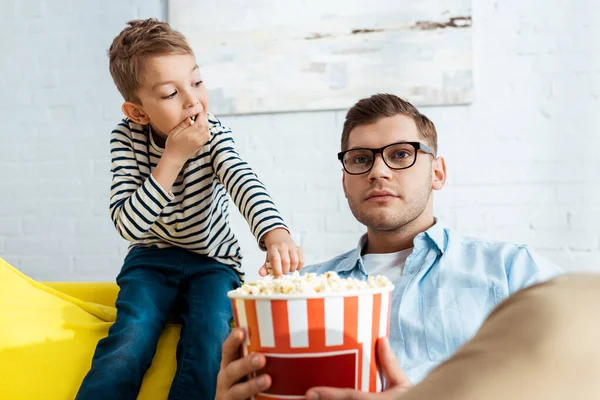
344	261
519	263
485	246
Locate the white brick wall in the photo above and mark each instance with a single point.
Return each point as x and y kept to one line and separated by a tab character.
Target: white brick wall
523	159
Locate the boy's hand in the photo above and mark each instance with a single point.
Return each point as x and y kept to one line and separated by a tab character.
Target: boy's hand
187	138
283	255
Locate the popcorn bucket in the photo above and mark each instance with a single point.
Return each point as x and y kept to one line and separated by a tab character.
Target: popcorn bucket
317	339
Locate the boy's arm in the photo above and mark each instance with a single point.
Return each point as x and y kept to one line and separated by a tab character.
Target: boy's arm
247	191
136	202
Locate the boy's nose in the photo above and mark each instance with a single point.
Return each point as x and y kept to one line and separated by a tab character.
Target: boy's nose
191	100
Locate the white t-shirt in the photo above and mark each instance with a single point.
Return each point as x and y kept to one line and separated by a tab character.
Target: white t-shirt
389	265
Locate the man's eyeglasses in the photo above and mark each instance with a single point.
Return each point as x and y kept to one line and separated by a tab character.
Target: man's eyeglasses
401	155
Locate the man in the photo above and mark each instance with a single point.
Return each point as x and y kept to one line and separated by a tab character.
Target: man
446	284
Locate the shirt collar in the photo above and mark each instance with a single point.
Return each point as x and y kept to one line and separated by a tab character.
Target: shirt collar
155	146
436	235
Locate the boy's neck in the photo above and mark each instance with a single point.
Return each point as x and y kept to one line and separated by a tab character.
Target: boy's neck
158	139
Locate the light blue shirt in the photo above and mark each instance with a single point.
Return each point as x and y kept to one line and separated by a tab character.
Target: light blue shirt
449	285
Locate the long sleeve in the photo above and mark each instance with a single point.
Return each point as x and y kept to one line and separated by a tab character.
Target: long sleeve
136	198
247	191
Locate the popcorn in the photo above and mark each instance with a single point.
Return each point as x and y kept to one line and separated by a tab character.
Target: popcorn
311	283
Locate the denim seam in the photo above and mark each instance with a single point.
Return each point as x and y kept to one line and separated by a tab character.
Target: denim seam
182	364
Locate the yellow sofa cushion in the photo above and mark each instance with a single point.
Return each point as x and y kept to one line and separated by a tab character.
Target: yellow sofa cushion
48	338
104	293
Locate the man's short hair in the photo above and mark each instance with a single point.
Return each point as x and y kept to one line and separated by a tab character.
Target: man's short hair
372	109
130	50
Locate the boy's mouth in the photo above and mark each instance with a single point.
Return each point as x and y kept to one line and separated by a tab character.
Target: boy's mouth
193	117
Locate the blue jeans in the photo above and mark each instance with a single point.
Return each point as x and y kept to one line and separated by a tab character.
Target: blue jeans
154	282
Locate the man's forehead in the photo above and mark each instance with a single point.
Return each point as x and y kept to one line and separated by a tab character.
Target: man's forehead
383	132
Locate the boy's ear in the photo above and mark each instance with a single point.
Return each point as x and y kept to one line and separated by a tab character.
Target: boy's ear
135	113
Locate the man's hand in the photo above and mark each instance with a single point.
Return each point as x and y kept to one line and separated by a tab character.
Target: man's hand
234	369
283	255
397	382
187	138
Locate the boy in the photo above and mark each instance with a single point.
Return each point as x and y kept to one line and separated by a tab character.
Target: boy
173	164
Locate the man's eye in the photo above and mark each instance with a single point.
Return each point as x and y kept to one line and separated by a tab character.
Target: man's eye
360	160
401	154
170	96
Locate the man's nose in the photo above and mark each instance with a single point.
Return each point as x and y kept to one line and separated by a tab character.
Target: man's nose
380	170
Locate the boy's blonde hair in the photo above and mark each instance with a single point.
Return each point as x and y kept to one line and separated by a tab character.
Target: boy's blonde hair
131	49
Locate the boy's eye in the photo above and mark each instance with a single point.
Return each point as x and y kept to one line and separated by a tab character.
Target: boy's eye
197	84
170	96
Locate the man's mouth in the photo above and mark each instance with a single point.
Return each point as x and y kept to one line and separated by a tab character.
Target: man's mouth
380	195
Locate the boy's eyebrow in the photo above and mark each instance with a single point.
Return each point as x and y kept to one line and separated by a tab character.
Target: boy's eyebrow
167	82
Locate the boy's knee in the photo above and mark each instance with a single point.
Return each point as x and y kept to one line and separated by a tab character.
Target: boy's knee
217	322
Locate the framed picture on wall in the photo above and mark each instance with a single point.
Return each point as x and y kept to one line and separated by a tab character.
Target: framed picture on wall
267	56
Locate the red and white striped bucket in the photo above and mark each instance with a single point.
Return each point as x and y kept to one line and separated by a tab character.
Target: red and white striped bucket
313	340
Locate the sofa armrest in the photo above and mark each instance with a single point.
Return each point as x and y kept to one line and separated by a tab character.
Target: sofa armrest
104	293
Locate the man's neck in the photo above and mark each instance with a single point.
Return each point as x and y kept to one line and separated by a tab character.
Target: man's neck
379	242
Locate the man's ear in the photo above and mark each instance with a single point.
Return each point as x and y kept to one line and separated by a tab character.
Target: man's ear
135	112
344	183
438	172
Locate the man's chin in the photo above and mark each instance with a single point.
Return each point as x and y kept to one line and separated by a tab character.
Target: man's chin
381	220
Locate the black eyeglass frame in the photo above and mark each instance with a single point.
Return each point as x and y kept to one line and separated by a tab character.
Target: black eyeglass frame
417	146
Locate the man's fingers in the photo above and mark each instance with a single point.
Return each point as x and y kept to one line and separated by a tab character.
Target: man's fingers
243	367
390	368
233	370
246	390
325	393
231	347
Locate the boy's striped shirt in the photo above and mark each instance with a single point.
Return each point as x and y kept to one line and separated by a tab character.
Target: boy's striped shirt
194	215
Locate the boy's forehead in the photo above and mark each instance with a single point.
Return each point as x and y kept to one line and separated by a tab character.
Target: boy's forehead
168	67
384	131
